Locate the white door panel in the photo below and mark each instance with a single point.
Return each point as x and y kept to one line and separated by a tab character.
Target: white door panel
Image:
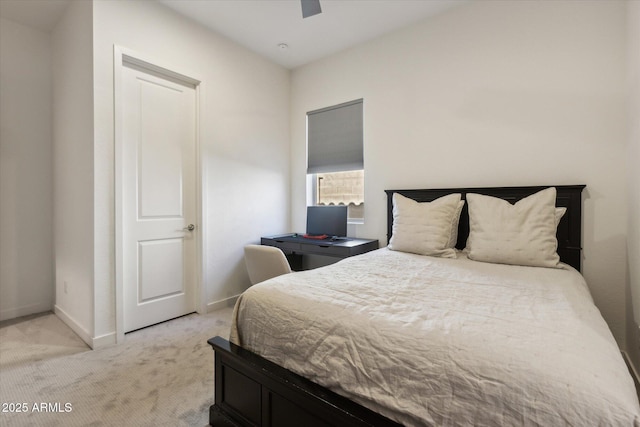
160	264
159	198
163	132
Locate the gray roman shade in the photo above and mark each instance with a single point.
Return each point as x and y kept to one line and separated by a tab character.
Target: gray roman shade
334	138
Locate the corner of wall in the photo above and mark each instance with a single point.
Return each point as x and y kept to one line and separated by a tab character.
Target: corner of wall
73	169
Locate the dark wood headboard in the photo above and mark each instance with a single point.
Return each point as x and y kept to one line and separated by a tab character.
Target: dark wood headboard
569	231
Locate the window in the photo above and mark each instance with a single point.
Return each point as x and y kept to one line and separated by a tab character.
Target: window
342	188
335	161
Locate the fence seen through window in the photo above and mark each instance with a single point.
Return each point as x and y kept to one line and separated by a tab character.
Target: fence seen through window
342	188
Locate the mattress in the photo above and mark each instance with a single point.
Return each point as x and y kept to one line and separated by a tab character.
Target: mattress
434	341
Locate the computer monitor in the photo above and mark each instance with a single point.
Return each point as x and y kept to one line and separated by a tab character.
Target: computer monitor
329	220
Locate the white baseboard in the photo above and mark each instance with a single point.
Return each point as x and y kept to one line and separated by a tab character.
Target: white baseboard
217	305
74	325
110	338
104	340
93	342
12	313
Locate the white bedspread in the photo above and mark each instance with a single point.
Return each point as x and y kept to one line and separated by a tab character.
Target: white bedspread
432	341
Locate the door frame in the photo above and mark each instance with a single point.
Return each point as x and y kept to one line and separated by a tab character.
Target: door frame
122	56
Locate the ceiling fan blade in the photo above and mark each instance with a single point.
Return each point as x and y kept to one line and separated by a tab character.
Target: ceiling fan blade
310	8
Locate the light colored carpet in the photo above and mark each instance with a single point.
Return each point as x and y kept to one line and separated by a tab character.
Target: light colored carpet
161	376
34	338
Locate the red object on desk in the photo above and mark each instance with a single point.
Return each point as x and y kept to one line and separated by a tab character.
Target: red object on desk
320	237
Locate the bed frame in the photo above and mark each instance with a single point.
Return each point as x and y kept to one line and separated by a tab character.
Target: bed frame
252	391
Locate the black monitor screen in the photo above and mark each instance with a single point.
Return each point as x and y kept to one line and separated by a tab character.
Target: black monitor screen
329	220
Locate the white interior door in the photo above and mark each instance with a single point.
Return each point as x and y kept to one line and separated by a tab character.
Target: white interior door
159	197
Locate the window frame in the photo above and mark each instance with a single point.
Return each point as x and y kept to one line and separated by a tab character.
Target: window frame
312	175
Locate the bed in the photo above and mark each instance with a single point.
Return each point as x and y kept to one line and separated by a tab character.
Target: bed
398	338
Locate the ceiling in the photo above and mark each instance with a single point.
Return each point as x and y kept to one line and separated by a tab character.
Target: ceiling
263	25
40	14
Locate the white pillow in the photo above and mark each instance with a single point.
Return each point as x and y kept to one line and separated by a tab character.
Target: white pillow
519	234
426	228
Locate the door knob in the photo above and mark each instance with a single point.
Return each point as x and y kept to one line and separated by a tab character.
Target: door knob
190	227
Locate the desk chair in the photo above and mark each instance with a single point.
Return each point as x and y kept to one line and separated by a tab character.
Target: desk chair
265	262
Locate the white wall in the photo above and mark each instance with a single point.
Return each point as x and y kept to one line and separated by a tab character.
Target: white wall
26	226
491	93
633	163
244	141
73	167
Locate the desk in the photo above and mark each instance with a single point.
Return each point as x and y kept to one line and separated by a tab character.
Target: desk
294	246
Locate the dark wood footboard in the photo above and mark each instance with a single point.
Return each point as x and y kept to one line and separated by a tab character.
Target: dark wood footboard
252	391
